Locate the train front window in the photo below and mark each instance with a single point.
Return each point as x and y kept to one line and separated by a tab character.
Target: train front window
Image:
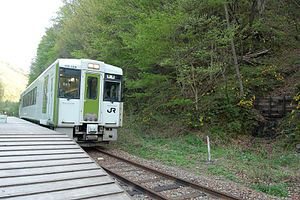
69	83
112	88
112	91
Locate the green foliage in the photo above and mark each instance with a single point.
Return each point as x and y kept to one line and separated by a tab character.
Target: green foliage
217	133
11	108
264	79
179	78
178	101
194	139
275	190
176	55
1	91
290	123
45	55
224	117
284	160
257	163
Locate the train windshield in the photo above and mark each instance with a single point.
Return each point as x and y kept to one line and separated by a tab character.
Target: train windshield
112	88
69	83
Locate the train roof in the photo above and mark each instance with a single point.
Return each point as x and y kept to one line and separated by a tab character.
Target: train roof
105	68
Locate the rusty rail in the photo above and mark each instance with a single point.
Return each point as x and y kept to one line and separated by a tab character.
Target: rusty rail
177	179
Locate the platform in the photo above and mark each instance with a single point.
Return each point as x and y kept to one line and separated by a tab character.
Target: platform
38	163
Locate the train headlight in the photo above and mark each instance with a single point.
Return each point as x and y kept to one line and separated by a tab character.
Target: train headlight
96	66
93	66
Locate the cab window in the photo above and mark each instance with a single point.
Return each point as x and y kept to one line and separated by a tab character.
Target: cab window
112	88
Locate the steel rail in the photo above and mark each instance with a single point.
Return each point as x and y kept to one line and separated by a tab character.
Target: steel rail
137	185
191	184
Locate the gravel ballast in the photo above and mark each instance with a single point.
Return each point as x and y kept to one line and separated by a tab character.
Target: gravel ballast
225	186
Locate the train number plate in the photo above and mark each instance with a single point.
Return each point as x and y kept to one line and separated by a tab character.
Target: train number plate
92	129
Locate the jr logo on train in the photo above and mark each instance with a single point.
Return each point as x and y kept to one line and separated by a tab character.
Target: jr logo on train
79	97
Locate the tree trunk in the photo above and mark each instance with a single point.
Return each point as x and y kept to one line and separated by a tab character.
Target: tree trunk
261	5
234	56
211	63
253	11
225	81
182	83
194	88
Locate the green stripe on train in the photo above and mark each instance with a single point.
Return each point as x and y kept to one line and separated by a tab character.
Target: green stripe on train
55	107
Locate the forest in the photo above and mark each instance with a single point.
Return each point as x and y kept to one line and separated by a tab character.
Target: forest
203	62
191	67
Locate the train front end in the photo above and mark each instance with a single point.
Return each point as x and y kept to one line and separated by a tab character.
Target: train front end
98	88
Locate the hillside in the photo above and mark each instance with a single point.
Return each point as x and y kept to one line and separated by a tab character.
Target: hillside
13	81
194	68
201	62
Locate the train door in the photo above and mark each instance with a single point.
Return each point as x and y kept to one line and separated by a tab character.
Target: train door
91	97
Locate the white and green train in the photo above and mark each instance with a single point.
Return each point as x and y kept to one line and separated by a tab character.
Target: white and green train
79	97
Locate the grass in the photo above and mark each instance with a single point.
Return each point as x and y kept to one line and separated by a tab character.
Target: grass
275	190
264	165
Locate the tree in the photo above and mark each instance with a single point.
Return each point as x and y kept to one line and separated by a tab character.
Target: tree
237	69
1	91
45	54
172	52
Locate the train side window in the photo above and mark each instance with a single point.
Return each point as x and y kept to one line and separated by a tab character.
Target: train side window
69	83
92	88
34	96
29	98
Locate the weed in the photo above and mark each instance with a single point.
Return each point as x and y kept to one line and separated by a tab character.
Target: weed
232	177
260	161
275	190
211	168
285	159
220	171
193	140
217	170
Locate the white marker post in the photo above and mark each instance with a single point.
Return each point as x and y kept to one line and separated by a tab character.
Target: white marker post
208	148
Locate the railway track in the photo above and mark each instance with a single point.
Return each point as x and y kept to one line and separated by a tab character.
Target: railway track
157	184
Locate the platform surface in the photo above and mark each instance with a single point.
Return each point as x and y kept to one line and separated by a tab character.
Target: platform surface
38	163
